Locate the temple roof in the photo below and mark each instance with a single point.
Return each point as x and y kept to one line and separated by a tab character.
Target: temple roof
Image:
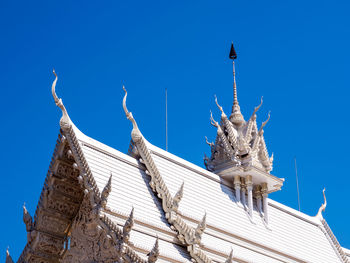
154	206
290	236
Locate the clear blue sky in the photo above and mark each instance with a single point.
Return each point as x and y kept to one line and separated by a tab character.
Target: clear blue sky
294	53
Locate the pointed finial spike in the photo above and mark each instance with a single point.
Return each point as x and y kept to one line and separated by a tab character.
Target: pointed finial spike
233	54
106	191
8	256
154	253
129	223
229	258
201	226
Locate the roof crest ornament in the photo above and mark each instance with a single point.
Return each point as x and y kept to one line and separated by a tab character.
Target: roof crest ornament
27	219
212	121
323	206
8	256
261	130
129	223
178	196
257	108
58	101
201	227
186	234
229	258
236	115
220	108
128	114
136	134
106	191
154	253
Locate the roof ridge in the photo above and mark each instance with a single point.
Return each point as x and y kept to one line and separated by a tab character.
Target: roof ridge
187	235
333	240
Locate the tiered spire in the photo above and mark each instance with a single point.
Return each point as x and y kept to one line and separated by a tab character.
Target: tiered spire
240	154
236	115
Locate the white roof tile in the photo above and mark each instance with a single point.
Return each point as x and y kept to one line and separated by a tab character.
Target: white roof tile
291	237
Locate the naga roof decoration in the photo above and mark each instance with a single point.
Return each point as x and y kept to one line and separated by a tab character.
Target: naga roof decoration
189	236
69	223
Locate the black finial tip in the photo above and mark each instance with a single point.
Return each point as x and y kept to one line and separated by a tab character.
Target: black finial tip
233	54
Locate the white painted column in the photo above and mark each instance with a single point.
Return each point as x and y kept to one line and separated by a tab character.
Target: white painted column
243	192
265	206
237	184
249	184
257	194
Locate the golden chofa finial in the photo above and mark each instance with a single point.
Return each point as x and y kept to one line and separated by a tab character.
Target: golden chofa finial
58	101
323	206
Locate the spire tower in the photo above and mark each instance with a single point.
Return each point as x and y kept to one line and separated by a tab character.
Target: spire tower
236	115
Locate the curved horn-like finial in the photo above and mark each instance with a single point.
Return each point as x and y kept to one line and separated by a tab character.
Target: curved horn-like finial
128	114
212	121
257	107
209	143
229	258
217	104
264	123
323	206
58	101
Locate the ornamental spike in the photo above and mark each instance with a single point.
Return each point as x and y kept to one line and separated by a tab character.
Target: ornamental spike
27	218
106	191
209	143
233	54
323	206
236	116
201	226
257	107
178	196
264	123
212	121
8	256
216	101
154	253
129	223
58	101
229	258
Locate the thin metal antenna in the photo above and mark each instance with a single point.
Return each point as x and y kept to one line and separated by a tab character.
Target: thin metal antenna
296	176
166	119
